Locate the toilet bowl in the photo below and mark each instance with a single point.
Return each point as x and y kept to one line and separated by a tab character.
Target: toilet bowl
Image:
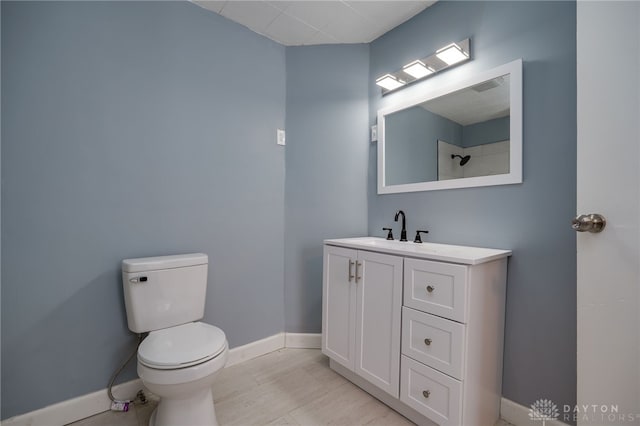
179	364
181	355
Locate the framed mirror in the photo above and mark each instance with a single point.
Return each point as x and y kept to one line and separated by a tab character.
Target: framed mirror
466	134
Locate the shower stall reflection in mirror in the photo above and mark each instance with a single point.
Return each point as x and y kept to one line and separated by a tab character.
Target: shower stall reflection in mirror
456	162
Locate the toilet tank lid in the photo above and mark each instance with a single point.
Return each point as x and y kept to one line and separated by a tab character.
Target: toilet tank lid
143	264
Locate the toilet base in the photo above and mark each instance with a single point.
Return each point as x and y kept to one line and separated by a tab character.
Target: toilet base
186	398
197	410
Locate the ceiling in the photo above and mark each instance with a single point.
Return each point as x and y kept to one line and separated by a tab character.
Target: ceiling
303	22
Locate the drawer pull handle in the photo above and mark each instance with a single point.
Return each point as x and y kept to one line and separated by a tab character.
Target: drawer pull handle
430	288
351	263
426	393
427	342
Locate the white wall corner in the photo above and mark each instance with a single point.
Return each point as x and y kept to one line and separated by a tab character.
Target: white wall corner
518	415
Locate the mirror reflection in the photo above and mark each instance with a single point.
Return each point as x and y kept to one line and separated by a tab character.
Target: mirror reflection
459	135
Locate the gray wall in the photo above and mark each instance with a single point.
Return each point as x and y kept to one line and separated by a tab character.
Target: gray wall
131	129
530	218
489	131
411	141
326	161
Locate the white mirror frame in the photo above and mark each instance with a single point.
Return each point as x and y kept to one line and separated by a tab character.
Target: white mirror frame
423	94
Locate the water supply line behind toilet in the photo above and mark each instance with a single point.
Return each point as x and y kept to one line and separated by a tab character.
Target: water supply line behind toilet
140	398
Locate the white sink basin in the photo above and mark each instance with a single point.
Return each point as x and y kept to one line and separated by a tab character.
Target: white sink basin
433	251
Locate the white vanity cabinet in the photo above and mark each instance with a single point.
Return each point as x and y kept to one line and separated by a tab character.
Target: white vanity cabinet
445	355
361	305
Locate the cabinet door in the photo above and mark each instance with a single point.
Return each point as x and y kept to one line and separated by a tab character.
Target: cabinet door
339	305
379	302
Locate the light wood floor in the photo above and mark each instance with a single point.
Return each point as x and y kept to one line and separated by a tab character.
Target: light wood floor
285	387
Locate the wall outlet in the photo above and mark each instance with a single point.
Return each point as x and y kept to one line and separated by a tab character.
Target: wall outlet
374	133
280	137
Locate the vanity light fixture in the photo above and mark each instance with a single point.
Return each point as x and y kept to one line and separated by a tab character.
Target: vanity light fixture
452	54
389	82
417	69
448	56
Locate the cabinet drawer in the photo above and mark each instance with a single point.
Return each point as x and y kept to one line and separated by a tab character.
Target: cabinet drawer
435	287
432	393
434	341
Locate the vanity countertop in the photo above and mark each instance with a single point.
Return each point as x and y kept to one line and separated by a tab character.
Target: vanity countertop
431	251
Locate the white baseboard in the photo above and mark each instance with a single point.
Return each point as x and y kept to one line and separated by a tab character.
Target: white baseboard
255	349
518	415
303	340
75	409
273	343
97	402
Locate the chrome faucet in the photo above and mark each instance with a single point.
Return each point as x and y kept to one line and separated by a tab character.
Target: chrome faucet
403	233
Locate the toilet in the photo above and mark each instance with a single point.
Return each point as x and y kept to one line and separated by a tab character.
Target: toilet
178	360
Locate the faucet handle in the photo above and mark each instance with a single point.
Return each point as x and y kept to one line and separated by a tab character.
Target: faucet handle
390	234
418	239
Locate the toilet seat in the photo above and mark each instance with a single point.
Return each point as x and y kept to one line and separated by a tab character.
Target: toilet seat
182	346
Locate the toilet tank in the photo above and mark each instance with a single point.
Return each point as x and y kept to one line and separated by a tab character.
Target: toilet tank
164	291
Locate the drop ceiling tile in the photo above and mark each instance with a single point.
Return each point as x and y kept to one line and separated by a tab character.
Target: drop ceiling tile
296	22
350	27
389	11
213	5
322	38
280	5
290	31
256	15
318	14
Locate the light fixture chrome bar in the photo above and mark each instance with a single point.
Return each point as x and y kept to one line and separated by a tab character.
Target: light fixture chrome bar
448	56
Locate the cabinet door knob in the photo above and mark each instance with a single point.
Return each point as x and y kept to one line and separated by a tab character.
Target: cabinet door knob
350	272
358	277
427	342
426	393
430	288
